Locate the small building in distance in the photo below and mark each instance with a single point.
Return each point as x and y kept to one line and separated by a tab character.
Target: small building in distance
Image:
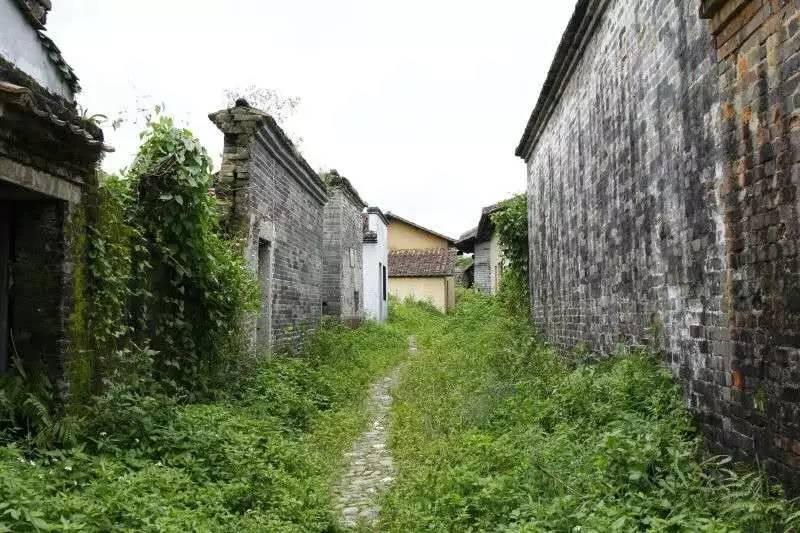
48	165
376	265
342	265
276	203
484	244
421	263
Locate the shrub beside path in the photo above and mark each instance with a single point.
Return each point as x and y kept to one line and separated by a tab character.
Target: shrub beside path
370	469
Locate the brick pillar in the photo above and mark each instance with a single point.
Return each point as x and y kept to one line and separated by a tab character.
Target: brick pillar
757	43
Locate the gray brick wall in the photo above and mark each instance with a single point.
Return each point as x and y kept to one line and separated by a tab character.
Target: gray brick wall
647	229
343	255
275	196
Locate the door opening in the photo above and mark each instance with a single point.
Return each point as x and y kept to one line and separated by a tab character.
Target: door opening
264	322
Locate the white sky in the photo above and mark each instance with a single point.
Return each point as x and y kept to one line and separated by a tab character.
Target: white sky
419	103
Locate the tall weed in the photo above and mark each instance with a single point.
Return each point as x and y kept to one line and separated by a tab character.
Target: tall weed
494	431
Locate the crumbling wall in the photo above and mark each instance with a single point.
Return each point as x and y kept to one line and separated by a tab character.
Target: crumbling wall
637	234
274	196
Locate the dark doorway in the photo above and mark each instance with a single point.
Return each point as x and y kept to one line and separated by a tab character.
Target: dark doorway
264	322
5	267
33	271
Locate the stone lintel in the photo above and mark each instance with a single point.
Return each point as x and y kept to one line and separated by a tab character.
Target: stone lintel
39	181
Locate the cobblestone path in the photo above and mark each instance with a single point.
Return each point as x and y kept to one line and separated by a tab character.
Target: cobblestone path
370	467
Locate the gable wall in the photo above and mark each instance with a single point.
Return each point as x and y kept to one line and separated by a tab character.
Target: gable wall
631	224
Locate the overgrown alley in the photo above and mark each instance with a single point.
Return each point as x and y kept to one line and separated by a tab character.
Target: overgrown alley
206	327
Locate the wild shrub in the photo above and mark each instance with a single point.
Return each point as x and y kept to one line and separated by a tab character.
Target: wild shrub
262	459
194	287
511	224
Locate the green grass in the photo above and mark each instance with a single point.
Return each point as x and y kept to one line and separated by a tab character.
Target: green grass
263	459
493	431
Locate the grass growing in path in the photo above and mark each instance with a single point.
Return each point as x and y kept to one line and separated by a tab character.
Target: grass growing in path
492	431
262	460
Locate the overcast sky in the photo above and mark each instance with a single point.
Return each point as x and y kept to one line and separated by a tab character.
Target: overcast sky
420	103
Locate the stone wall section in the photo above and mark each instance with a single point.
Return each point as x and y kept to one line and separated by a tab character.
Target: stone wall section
343	254
275	196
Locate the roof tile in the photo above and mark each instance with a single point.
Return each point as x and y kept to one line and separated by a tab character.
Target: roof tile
435	262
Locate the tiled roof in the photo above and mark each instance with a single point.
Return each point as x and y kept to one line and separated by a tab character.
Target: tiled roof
435	262
27	99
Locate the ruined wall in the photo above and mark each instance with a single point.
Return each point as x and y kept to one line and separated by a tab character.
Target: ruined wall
631	223
275	197
342	280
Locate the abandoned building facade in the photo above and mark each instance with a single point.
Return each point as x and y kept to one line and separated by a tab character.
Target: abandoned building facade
277	204
343	264
663	206
376	265
484	244
48	161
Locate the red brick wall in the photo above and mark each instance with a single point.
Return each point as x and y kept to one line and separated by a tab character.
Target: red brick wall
758	46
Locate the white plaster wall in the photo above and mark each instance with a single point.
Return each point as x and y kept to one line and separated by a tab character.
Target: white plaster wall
496	262
20	45
375	255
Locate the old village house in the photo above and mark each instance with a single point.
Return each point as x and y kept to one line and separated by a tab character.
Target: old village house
376	265
484	244
421	263
48	159
342	273
276	203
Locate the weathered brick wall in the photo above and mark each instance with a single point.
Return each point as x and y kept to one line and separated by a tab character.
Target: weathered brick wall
758	52
275	197
632	223
343	255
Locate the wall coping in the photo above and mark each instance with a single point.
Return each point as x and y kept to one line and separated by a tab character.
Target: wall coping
336	181
259	126
377	211
579	32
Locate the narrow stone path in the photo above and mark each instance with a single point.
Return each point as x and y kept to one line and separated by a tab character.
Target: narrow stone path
371	469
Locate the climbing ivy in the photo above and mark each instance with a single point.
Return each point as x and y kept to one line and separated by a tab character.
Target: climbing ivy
192	286
511	223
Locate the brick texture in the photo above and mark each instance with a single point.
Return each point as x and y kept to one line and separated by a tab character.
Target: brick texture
275	196
343	265
662	209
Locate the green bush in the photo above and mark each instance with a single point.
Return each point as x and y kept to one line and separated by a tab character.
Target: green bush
494	431
261	460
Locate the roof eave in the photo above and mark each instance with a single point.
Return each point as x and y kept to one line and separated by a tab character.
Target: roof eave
579	31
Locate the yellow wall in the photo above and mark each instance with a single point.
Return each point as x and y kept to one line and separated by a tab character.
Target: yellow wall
405	237
438	291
